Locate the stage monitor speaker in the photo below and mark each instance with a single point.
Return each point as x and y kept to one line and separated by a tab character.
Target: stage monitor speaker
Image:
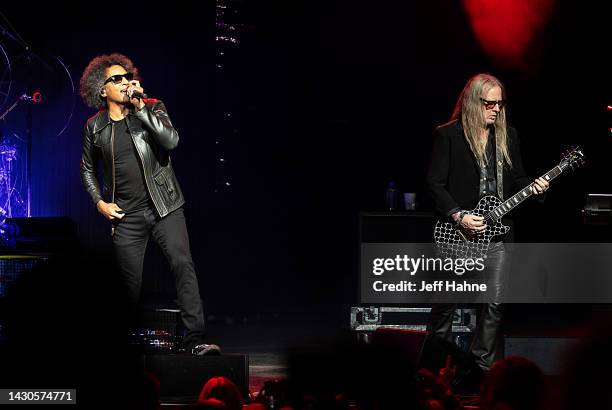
406	345
44	234
546	351
182	376
13	266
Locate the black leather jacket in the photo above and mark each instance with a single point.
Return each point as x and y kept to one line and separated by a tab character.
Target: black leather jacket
153	136
453	179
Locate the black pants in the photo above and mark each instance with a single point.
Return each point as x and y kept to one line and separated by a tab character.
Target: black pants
130	239
487	333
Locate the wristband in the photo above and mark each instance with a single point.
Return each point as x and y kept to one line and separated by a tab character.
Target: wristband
461	215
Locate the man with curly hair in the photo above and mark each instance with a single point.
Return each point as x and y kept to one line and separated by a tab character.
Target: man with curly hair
132	136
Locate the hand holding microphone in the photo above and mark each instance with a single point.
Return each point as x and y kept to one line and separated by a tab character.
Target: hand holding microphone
136	94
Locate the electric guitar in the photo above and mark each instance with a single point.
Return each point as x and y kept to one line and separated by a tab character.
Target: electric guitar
454	242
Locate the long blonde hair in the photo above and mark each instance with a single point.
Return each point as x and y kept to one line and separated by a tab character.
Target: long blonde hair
469	110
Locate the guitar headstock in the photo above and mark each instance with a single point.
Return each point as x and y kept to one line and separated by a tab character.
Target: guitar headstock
572	158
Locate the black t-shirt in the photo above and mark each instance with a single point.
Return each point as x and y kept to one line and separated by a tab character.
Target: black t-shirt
130	187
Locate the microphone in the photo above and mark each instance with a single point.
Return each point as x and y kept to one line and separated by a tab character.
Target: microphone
136	94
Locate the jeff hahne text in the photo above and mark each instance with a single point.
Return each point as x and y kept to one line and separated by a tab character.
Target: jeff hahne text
412	266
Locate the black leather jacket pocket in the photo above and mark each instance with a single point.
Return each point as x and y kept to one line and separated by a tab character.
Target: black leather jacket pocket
101	139
166	185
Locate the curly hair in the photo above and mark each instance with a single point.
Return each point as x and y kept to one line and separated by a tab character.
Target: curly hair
93	77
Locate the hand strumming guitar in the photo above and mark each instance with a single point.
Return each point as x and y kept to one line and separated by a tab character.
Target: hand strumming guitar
472	224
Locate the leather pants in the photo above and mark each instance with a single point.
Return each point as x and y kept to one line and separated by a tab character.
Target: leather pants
487	335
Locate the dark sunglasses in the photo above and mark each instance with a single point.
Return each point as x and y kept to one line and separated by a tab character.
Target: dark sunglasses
489	105
118	78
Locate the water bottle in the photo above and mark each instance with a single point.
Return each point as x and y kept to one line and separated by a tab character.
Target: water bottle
392	197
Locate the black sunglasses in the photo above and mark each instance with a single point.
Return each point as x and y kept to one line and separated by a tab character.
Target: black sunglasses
118	78
489	105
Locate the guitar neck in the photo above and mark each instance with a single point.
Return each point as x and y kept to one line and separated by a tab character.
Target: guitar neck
516	199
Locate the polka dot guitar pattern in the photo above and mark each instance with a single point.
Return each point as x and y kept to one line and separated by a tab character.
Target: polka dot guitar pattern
453	242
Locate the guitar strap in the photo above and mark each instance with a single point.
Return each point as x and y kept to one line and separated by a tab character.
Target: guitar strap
499	167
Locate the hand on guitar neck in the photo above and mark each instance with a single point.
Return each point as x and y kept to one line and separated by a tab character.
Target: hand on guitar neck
540	185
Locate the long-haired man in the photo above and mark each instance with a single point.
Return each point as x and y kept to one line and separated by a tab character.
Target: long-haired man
474	155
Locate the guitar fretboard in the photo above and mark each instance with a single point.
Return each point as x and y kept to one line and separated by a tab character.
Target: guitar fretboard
497	213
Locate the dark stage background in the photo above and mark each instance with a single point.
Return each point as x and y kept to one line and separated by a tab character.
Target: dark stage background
329	102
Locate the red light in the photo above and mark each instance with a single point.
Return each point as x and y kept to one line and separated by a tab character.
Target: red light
505	28
36	97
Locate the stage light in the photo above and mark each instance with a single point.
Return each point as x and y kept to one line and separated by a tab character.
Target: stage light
506	28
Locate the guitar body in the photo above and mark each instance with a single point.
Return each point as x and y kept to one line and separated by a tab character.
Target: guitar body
452	242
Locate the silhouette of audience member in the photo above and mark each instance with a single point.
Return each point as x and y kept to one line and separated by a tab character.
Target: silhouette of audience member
434	392
274	393
514	383
148	391
208	404
224	390
255	406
